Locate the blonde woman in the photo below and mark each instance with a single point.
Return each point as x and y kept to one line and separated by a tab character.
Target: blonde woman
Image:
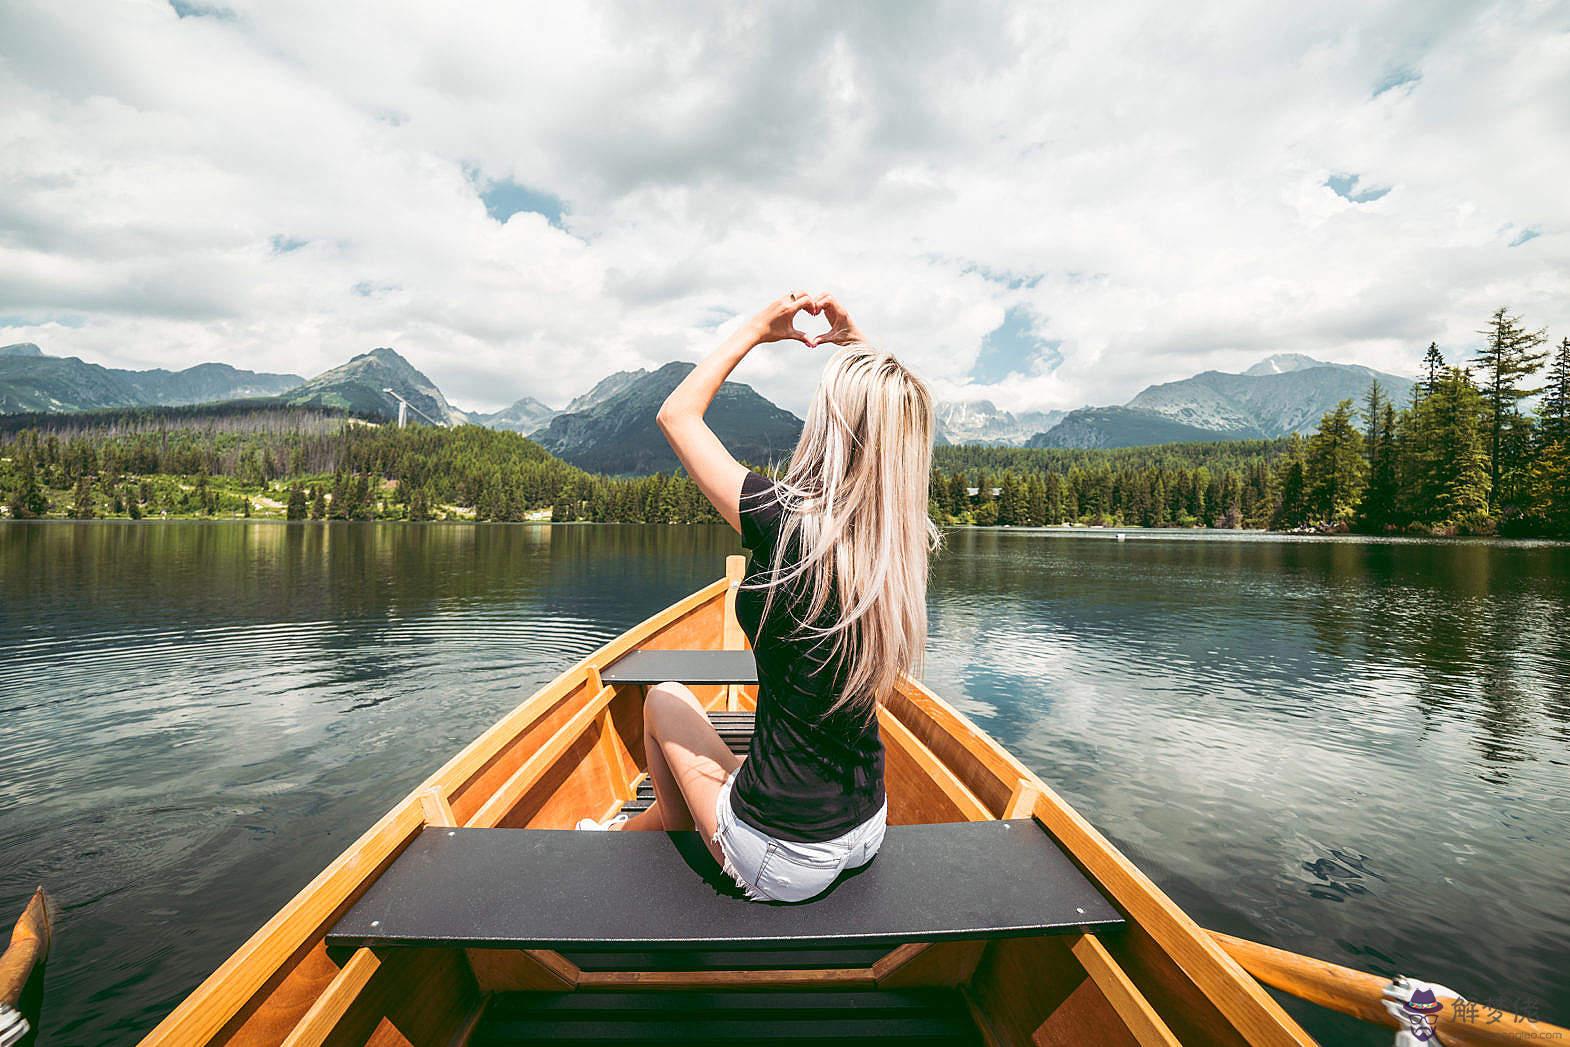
834	604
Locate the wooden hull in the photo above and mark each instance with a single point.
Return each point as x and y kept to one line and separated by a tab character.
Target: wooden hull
574	749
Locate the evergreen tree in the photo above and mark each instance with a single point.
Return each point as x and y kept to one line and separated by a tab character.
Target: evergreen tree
82	505
1508	358
1553	412
1445	457
318	504
297	508
1378	511
27	499
1433	369
1336	470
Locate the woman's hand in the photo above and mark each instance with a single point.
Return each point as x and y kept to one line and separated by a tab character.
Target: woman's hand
773	322
842	329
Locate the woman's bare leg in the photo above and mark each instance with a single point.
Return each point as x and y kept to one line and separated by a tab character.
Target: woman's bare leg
688	762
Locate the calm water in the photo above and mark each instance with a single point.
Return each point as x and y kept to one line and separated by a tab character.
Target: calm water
1356	750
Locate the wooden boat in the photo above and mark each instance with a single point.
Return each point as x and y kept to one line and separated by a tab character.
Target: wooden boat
22	972
462	918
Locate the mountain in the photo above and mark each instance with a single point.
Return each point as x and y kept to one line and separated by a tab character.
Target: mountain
1282	394
1288	393
604	389
1093	427
525	416
358	386
983	422
206	383
618	433
32	381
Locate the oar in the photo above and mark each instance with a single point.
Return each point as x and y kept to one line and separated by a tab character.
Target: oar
28	950
1360	995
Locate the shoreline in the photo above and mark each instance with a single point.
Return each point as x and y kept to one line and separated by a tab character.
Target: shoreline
1113	534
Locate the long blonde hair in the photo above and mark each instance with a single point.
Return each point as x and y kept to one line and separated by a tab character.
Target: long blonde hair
854	497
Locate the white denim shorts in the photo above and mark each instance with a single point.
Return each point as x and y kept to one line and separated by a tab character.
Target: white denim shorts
770	870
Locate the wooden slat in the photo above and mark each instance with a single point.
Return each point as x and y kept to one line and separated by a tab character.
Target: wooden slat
435	808
330	1007
835	977
522	970
1123	995
928	964
1023	800
732	638
961	797
515	788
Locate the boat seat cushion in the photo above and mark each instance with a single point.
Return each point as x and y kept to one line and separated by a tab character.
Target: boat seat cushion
551	888
683	667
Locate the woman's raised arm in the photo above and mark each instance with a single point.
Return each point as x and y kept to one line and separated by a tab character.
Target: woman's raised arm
713	468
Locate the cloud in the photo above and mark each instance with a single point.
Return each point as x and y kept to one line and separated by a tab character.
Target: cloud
524	198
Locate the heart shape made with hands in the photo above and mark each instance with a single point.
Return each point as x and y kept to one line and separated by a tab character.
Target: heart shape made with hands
813	325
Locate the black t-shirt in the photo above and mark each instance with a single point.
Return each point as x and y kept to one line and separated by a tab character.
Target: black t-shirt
807	776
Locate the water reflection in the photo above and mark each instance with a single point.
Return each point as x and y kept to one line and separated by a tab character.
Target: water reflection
1268	727
1352	749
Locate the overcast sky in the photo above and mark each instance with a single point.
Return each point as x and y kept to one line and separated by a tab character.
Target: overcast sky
1044	205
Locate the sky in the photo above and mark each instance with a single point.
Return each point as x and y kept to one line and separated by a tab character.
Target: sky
1043	205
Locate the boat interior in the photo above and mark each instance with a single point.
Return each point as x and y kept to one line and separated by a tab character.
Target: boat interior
995	913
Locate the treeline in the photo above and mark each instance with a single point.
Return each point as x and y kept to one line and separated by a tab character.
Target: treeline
1462	458
303	465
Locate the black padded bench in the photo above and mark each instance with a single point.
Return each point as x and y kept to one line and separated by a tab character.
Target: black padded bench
682	666
560	889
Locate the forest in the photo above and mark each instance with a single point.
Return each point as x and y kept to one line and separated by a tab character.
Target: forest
1463	458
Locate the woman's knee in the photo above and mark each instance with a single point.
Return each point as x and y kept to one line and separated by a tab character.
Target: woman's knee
666	698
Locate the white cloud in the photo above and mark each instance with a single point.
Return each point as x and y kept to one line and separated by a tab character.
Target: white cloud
1163	170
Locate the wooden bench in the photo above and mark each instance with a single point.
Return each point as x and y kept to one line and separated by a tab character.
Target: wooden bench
560	889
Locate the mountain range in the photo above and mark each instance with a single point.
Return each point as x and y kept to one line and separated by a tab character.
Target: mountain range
1282	394
31	381
611	427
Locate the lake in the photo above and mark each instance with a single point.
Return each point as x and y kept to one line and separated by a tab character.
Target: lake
1353	749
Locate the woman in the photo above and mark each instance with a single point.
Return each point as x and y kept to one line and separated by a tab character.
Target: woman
835	606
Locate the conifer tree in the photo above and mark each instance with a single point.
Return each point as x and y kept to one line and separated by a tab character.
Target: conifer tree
82	507
318	504
1509	357
1433	368
1554	411
296	509
1336	469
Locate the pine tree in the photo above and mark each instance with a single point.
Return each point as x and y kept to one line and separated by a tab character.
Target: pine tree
1509	357
1378	511
1433	369
1445	477
318	504
1336	470
1553	412
82	506
27	500
297	508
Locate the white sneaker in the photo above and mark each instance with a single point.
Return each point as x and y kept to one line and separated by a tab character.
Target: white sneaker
605	826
